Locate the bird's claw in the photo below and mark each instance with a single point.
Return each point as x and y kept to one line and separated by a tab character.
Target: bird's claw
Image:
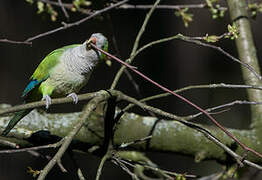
74	97
47	100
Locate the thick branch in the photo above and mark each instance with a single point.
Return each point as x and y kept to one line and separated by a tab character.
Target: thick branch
247	54
168	136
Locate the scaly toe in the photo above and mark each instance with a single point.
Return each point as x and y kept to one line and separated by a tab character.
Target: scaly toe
74	97
47	100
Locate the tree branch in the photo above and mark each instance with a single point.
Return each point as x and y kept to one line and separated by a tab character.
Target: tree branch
101	96
168	136
247	54
65	25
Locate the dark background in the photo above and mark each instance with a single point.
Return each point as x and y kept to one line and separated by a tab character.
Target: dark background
174	64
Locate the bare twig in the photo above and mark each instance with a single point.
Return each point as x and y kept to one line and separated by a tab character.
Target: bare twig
250	68
81	97
149	108
101	96
65	25
241	102
68	6
185	100
63	9
101	164
9	144
196	40
123	166
135	46
141	140
8	151
65	5
15	42
59	163
172	7
208	86
80	174
156	169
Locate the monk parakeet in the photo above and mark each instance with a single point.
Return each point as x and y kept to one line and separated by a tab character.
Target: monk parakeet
63	72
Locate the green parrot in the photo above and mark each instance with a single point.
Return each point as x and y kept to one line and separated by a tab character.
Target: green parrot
63	72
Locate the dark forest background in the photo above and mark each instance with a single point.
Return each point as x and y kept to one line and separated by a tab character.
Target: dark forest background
175	64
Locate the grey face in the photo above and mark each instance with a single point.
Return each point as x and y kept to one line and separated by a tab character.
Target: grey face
101	40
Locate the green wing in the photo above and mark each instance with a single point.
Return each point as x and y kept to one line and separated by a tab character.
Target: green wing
42	71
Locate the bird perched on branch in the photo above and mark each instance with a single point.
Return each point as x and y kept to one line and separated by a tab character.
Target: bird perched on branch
63	72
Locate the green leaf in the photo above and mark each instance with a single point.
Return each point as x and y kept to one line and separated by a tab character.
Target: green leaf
186	17
215	9
40	7
212	38
232	31
30	1
52	12
79	3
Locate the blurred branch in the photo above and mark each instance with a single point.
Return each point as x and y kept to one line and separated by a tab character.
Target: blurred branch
68	6
101	96
247	54
249	67
171	7
135	46
209	86
9	151
37	104
101	164
15	42
216	123
196	40
66	25
63	9
61	125
65	5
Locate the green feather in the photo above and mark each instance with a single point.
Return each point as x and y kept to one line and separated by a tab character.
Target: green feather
18	115
50	61
42	71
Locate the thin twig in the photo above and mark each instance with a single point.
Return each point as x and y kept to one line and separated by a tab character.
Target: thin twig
31	105
185	100
68	6
191	125
65	25
123	166
63	9
208	86
172	7
15	42
80	174
188	39
154	168
168	7
101	96
65	5
139	35
9	151
8	143
198	42
241	102
141	140
101	164
60	165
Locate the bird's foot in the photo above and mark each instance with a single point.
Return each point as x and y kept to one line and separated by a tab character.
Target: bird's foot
74	97
47	100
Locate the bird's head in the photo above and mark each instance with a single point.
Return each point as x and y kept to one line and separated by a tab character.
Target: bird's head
100	41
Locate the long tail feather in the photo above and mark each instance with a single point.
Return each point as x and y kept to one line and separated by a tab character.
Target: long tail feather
18	116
